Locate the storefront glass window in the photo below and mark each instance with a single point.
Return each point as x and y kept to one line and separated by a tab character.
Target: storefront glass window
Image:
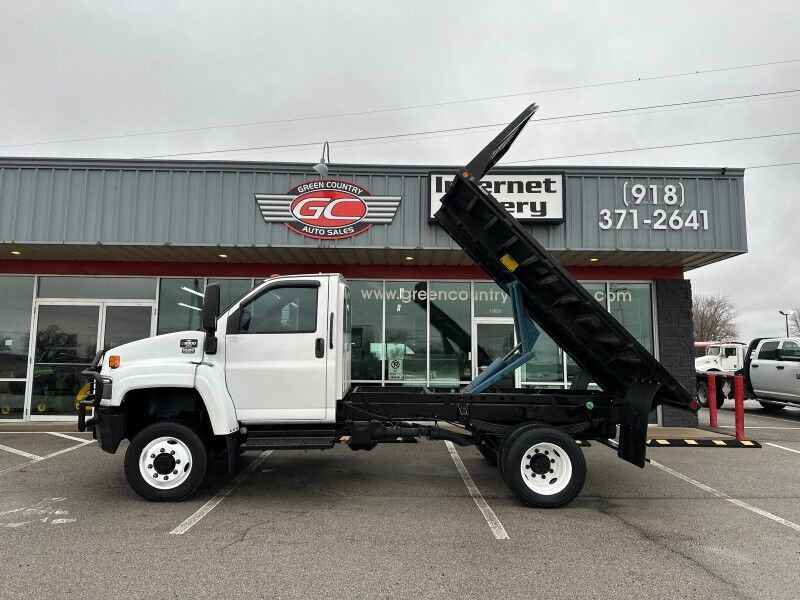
632	305
367	329
451	328
230	290
547	363
180	304
15	326
406	331
12	398
129	288
491	301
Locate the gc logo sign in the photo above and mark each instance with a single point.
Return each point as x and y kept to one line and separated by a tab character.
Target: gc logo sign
327	209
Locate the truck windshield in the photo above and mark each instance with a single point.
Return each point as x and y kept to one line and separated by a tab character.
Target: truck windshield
712	351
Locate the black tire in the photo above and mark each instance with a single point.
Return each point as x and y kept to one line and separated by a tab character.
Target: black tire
506	442
185	457
558	460
702	395
488	452
769	406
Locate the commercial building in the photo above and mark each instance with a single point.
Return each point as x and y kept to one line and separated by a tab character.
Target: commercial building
95	253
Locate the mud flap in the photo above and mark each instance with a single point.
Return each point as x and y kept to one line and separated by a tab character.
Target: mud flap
232	448
633	422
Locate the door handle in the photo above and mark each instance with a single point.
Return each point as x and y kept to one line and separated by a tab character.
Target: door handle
754	366
319	347
330	330
780	366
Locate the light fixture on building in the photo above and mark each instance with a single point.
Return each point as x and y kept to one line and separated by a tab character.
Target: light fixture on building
322	166
184	305
16	252
593	259
222	255
409	258
191	291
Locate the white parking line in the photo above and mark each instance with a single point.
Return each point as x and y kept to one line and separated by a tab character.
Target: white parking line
219	497
65	436
494	523
783	447
724	496
45	457
20	452
760	416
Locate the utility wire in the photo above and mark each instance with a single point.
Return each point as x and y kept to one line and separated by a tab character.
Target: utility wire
549	124
786	164
413	106
699	143
476	127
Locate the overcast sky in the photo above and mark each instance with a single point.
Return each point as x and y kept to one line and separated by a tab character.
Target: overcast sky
90	69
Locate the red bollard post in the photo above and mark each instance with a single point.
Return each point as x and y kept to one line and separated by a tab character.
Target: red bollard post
712	400
738	399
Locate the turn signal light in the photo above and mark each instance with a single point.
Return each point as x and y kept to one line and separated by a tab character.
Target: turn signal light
113	361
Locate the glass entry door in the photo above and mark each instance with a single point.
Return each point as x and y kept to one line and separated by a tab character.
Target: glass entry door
493	338
68	336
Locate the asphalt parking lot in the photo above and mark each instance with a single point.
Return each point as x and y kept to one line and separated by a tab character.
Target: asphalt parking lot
400	522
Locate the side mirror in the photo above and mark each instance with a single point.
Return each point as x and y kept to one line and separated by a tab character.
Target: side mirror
210	315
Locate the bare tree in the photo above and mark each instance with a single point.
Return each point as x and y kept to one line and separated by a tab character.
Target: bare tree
794	321
714	318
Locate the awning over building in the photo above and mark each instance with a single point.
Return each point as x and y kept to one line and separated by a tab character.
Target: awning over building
279	213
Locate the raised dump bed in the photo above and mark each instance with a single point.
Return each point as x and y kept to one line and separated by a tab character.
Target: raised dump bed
559	305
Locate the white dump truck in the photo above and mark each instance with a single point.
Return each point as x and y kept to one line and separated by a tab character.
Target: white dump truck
273	372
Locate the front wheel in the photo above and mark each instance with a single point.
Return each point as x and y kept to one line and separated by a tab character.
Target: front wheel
166	461
702	395
544	467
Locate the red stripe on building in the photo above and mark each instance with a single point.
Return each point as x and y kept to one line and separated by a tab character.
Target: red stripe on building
185	269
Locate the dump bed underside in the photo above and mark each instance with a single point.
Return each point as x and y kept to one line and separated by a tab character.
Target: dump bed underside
559	305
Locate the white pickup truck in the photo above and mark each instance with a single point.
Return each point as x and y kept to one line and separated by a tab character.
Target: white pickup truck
770	367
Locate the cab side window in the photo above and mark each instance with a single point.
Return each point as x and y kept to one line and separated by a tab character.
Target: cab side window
281	310
767	351
790	348
730	352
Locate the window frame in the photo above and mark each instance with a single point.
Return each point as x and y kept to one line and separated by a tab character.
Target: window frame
234	321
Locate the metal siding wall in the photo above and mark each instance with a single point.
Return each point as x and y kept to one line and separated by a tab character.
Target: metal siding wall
194	205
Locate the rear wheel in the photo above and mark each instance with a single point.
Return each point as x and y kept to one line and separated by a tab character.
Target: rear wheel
544	467
166	461
506	442
769	406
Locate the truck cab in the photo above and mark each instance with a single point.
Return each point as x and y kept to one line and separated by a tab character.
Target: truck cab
728	356
774	371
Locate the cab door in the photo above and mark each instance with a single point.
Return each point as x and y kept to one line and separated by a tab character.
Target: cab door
275	352
762	368
788	368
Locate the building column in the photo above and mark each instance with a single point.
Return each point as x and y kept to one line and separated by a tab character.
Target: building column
675	342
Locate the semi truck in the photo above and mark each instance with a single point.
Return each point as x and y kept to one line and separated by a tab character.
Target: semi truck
272	372
770	368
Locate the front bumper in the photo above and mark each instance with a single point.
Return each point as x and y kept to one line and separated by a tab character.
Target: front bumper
108	423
